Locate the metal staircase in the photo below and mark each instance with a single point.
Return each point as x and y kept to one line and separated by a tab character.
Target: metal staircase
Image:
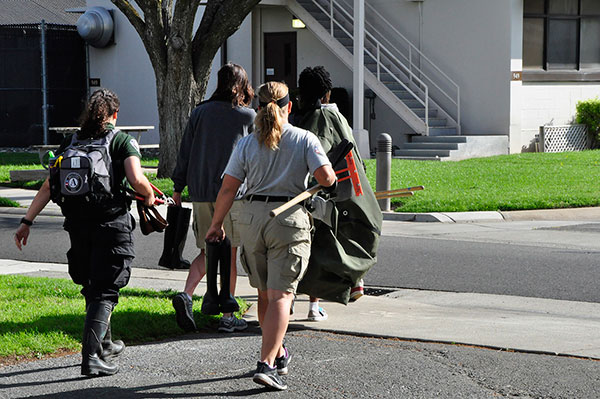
406	80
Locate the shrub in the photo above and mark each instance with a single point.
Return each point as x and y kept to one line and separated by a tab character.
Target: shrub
588	113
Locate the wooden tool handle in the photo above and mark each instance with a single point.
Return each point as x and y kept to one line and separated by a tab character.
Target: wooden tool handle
297	199
385	196
399	190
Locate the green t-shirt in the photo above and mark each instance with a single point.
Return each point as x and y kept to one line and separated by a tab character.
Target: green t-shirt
121	147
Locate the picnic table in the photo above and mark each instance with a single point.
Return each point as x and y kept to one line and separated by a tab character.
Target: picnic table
138	130
134	130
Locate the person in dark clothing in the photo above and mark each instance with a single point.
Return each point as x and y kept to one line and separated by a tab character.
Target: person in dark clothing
213	130
101	241
336	275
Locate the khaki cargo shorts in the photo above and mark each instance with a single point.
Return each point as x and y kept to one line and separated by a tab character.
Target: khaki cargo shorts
274	250
203	214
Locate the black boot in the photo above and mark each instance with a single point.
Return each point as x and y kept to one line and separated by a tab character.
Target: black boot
110	348
181	231
227	302
170	232
94	331
210	302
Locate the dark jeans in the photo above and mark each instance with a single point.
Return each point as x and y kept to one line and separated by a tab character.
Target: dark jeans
100	256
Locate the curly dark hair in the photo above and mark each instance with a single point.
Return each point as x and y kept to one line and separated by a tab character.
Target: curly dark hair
102	105
233	86
313	83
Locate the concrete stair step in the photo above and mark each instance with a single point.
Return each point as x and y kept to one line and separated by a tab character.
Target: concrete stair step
436	122
430	146
402	94
417	158
439	139
393	85
421	112
442	131
422	153
346	41
411	103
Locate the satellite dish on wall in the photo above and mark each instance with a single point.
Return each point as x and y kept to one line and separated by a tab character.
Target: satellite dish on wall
96	27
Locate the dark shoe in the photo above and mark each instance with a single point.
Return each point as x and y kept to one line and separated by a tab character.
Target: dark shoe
96	324
282	362
184	313
232	324
267	376
110	348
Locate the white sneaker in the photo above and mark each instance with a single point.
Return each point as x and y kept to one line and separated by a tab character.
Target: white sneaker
319	315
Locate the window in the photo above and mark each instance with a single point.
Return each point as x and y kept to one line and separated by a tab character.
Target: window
561	36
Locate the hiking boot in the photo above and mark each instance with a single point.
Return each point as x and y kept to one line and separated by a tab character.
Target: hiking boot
232	324
267	376
282	362
184	313
318	315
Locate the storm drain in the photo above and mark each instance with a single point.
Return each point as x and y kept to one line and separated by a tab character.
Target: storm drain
374	291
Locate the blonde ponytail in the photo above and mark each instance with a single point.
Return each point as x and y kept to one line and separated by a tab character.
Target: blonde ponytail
271	117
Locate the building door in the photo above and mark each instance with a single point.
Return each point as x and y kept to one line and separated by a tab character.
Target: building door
280	58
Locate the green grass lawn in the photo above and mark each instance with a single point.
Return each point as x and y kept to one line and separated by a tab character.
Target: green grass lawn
43	316
8	202
507	182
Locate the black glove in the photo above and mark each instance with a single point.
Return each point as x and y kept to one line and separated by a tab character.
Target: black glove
331	189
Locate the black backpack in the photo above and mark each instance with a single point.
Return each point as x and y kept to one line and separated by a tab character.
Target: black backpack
82	179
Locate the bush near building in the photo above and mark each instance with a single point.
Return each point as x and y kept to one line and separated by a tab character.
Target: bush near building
588	113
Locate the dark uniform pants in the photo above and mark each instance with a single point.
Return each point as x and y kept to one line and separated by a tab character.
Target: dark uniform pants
100	256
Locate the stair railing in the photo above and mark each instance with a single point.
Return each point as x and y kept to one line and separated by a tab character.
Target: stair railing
334	23
455	98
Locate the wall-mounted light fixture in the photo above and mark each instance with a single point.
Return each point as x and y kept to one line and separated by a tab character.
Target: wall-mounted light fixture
297	23
96	26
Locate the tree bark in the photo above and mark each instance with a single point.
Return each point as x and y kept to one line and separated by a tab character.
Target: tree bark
181	62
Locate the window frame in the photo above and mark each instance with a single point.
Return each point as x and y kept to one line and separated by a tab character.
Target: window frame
548	74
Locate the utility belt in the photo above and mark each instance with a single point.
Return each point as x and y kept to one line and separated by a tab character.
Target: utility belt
268	198
274	198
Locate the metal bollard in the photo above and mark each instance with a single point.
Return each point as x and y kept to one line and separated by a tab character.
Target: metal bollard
384	168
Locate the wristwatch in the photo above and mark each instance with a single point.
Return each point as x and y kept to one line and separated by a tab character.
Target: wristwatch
26	222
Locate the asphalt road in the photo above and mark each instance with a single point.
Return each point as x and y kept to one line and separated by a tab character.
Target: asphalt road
323	366
408	258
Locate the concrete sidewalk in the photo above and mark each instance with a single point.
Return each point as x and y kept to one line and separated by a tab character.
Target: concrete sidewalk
494	321
504	322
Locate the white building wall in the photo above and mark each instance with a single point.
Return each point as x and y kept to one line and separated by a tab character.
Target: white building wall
551	103
125	68
470	40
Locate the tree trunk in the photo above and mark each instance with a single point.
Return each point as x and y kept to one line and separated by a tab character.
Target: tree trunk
181	60
177	95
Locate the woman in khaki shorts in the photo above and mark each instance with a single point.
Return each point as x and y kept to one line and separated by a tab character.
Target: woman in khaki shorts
276	161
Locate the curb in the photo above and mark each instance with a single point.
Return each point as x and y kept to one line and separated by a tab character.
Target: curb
23	211
447	217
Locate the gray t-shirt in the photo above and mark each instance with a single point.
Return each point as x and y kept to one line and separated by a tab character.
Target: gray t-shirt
281	172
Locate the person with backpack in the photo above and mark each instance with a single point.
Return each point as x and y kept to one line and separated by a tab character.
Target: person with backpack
213	130
275	161
88	179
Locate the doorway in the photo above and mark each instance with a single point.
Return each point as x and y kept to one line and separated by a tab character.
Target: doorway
281	58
